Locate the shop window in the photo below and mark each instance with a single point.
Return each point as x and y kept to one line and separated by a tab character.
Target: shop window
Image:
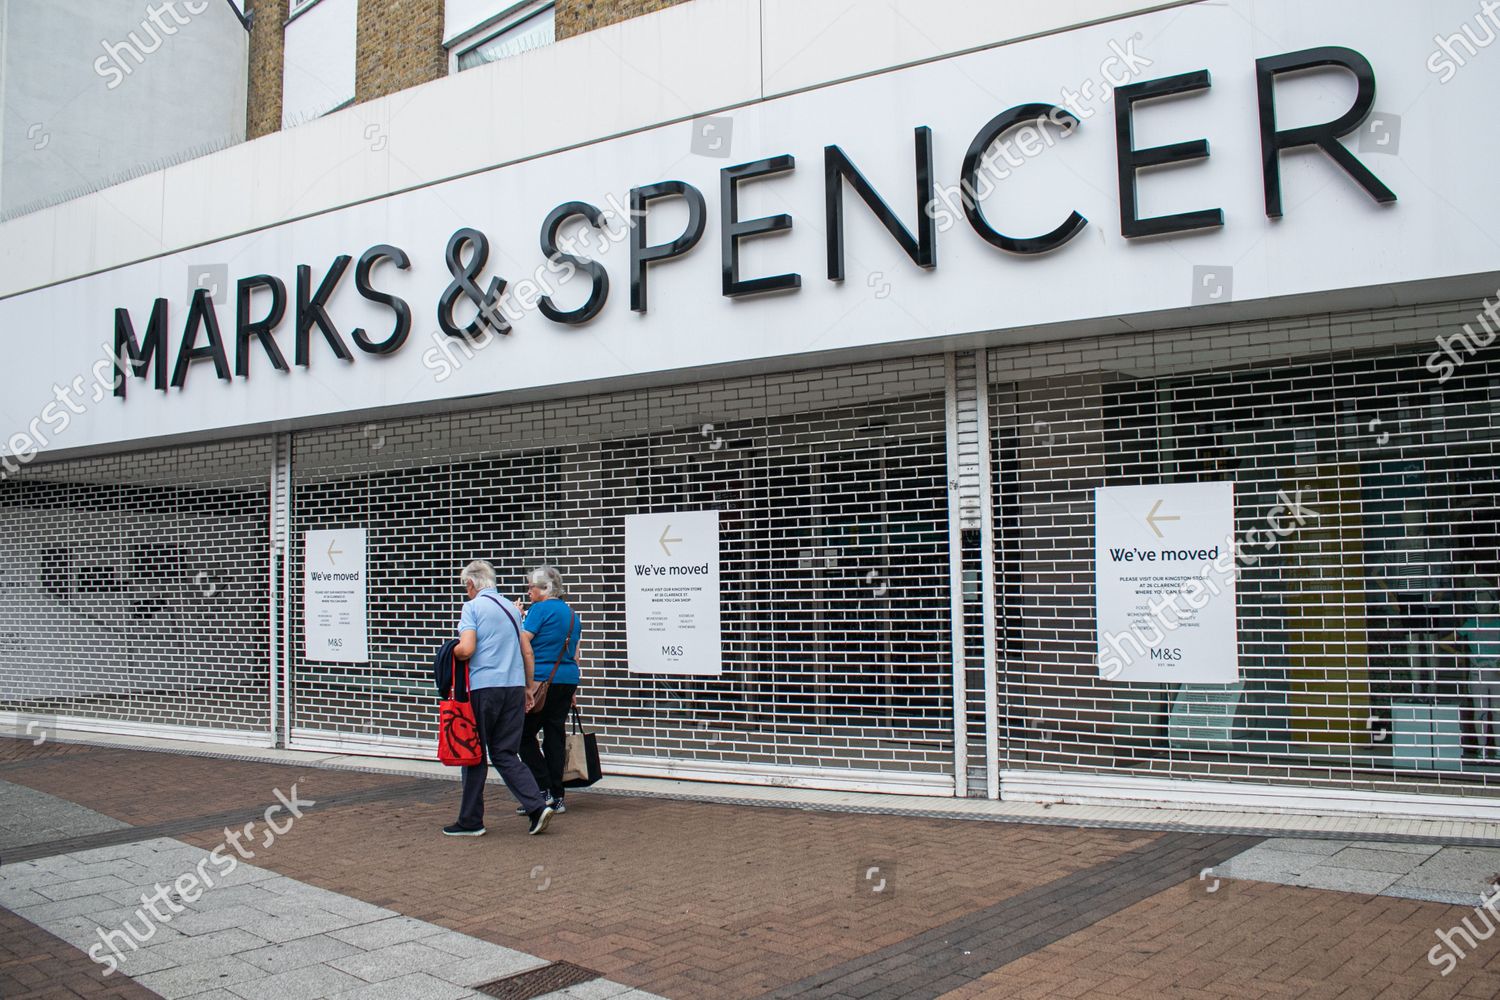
518	29
1368	637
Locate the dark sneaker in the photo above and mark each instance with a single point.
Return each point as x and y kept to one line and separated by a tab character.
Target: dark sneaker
521	811
463	831
539	820
557	807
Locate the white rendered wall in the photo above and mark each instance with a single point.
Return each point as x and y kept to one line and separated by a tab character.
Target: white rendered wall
95	91
463	16
318	69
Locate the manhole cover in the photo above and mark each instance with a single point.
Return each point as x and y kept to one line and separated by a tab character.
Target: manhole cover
538	982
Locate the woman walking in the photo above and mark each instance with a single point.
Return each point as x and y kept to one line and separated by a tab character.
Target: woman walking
553	630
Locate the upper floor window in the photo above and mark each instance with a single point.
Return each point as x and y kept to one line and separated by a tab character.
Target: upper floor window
519	29
298	6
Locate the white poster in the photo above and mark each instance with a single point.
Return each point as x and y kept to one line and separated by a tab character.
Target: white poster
334	597
1164	578
672	594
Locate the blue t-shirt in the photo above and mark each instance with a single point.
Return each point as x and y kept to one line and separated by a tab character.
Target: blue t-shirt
497	661
547	621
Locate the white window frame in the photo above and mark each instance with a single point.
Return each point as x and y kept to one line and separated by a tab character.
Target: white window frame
487	30
299	7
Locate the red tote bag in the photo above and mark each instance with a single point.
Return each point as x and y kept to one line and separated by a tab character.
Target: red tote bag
458	736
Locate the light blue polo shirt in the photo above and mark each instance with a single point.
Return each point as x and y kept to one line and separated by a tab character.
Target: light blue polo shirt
496	662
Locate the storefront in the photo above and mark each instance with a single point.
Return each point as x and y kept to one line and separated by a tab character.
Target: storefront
897	379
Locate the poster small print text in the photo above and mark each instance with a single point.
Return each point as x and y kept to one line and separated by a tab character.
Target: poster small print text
334	597
672	593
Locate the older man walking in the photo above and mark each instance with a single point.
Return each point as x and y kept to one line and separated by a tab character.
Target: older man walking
501	672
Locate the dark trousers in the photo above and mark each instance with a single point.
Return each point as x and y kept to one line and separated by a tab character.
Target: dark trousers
552	722
499	715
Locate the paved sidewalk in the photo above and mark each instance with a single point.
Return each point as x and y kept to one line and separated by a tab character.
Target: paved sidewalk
675	898
228	929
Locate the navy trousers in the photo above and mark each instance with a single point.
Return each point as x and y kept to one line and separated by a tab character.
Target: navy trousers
500	716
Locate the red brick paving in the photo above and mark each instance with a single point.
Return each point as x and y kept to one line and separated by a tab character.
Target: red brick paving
142	787
14	750
696	900
34	965
1251	940
684	899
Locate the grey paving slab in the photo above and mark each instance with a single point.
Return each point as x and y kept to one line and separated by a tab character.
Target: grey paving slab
40	878
191	950
141	876
25	874
319	949
483	969
312	982
73	869
83	887
1429	872
148	887
34	817
460	945
15	898
1304	845
1437	881
300	893
594	989
384	933
1451	896
242	873
1468	870
1269	866
1426	850
394	961
211	919
224	896
185	980
291	927
1365	859
214	994
139	963
1346	880
417	986
44	913
85	929
141	920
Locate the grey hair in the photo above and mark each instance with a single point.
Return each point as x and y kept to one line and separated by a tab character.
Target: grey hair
548	580
480	573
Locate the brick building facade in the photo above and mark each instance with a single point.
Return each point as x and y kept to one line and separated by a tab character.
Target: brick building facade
399	44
